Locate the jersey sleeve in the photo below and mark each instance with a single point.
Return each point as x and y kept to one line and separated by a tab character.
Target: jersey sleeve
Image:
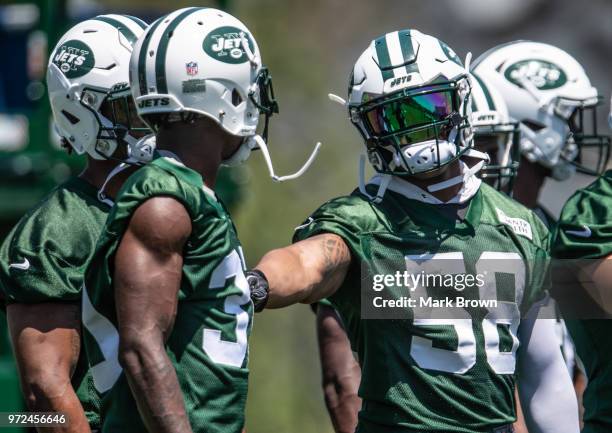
157	179
585	227
39	266
348	218
338	216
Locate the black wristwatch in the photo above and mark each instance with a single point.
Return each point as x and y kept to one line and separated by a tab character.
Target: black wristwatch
258	285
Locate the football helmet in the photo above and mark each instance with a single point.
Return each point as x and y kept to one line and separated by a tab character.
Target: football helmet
496	134
88	83
409	97
549	93
201	61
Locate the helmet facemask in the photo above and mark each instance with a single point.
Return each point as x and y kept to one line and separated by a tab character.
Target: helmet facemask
592	148
263	98
502	143
118	118
416	130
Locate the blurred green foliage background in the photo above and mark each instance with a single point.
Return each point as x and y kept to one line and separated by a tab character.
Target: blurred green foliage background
310	47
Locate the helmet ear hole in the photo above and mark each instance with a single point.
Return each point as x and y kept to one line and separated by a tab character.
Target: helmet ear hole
71	117
236	98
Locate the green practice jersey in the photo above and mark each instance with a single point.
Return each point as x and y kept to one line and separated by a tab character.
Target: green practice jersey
208	344
45	255
585	232
437	375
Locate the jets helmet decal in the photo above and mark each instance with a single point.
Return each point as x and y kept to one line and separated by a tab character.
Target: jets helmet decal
409	97
550	94
88	82
201	61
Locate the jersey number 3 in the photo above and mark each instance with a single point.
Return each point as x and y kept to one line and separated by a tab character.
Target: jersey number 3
106	372
229	352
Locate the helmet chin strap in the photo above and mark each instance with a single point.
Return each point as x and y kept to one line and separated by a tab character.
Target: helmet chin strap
382	188
266	154
533	91
387	178
135	157
338	99
467	62
467	173
254	60
114	172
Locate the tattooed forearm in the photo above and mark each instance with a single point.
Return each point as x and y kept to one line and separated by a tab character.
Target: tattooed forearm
335	252
306	271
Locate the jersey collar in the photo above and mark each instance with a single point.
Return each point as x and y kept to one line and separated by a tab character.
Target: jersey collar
428	211
471	185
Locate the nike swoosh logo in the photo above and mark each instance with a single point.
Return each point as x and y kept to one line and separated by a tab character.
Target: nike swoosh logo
24	266
584	233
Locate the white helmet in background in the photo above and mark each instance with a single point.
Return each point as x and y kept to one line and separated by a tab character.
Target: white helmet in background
549	93
88	83
204	62
409	97
495	133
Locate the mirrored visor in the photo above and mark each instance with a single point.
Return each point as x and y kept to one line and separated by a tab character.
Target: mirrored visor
409	112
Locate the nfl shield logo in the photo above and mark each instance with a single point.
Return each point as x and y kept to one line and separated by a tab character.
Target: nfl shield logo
192	68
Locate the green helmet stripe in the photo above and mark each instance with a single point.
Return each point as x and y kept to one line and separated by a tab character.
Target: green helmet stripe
450	54
162	49
408	51
486	92
142	57
123	29
384	59
138	21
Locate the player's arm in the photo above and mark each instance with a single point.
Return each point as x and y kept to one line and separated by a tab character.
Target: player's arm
545	387
46	342
148	269
341	373
306	271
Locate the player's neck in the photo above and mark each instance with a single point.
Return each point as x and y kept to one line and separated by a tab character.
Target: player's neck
97	171
200	152
444	195
528	183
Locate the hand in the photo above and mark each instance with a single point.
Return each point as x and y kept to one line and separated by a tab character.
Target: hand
258	284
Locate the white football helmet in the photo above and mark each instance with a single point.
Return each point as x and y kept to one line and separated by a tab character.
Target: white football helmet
409	97
204	62
88	82
495	133
549	93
